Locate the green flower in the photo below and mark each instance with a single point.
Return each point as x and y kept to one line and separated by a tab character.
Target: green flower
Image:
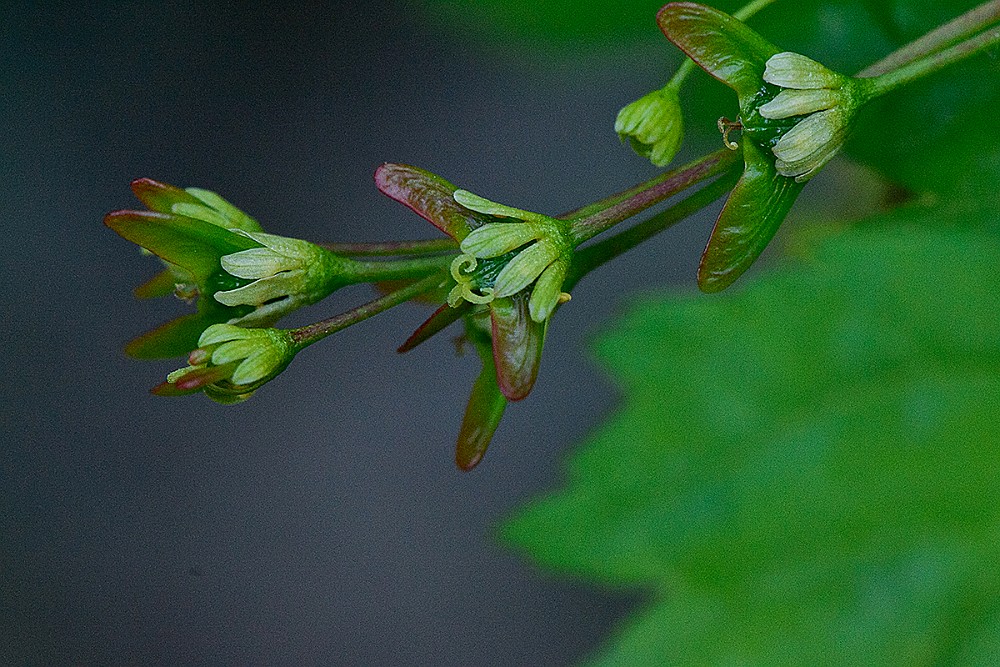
653	125
507	336
536	249
795	115
231	362
286	273
827	103
217	256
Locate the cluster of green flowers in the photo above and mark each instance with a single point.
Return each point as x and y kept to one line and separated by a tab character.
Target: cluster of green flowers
503	272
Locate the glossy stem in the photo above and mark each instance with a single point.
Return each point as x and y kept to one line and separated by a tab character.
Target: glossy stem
399	269
934	62
607	213
390	248
592	257
309	334
966	25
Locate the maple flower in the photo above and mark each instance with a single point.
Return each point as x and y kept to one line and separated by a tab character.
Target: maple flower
217	257
231	362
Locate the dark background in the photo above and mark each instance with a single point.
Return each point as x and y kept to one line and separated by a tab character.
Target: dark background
322	522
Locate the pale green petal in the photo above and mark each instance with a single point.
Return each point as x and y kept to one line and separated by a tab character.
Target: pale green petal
813	147
790	103
283	245
236	219
653	125
793	70
545	295
220	333
258	263
261	291
235	350
199	212
474	202
524	268
500	237
257	366
810	135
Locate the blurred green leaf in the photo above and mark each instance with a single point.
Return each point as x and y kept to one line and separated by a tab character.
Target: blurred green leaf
804	471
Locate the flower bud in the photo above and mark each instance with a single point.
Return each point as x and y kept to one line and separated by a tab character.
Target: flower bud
653	125
231	362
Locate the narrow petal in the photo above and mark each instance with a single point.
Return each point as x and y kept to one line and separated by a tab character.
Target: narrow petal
282	245
195	380
236	218
429	196
790	103
160	197
499	237
479	204
257	263
261	291
722	45
517	345
545	295
201	212
220	333
484	410
794	70
526	266
257	366
748	222
807	137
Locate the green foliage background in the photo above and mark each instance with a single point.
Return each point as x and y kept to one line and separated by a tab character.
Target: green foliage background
804	470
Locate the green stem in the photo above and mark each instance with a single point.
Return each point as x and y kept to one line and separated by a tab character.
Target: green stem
307	335
390	248
590	221
918	69
399	269
960	28
591	257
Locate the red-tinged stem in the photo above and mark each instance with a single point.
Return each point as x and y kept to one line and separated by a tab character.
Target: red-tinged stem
596	218
590	258
309	334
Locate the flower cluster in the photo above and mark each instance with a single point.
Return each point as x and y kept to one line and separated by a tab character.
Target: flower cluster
217	256
502	272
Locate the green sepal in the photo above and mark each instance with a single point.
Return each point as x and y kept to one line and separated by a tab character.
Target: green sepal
234	217
194	245
179	336
437	322
485	407
517	345
162	284
752	214
429	196
161	197
722	45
